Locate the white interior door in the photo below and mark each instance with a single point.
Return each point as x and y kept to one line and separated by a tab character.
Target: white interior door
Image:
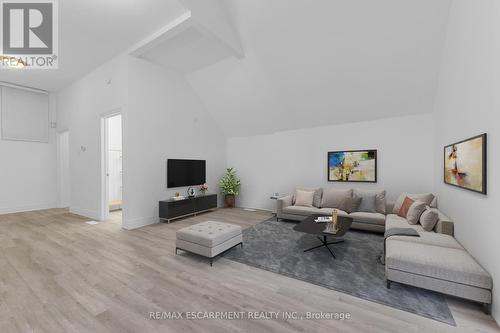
114	165
64	173
111	162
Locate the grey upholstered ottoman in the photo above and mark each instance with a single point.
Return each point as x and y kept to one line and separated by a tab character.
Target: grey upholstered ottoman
209	238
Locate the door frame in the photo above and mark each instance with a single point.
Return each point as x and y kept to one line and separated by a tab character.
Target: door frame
104	211
60	202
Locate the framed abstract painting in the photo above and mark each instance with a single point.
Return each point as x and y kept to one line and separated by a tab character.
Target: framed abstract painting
465	164
352	166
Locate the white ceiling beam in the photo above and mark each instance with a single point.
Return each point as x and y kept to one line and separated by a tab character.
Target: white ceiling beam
178	25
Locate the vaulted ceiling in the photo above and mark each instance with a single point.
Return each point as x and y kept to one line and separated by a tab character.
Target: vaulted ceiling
309	63
92	32
262	66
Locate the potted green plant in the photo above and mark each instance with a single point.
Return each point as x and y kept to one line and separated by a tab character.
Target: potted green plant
229	185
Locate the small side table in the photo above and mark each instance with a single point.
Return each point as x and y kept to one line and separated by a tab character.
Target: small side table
275	197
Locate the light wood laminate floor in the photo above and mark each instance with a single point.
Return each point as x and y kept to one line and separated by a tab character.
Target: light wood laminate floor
59	274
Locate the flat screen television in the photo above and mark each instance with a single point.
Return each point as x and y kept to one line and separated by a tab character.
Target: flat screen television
185	172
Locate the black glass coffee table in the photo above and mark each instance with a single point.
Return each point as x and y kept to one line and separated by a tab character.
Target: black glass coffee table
309	226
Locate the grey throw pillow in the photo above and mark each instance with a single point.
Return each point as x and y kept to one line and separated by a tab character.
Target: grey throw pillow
379	198
415	211
367	202
424	197
318	192
350	205
332	198
428	219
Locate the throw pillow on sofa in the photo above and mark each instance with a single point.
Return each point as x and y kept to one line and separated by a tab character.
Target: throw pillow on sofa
415	211
304	198
367	204
429	219
405	207
379	199
318	192
424	197
350	205
332	198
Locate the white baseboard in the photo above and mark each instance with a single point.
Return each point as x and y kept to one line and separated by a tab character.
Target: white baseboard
27	208
131	224
255	208
85	213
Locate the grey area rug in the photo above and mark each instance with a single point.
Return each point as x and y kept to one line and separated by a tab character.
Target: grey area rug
276	247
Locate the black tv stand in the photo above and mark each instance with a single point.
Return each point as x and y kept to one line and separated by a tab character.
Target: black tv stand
174	209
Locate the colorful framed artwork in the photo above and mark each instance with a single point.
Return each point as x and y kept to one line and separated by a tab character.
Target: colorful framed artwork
465	164
352	166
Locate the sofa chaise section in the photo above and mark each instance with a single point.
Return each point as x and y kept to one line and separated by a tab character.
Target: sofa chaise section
435	261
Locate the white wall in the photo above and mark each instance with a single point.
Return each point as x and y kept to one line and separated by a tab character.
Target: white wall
80	107
279	162
166	120
468	103
28	175
64	182
162	118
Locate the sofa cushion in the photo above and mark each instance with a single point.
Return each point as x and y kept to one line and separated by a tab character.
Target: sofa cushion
415	211
428	219
367	202
424	197
329	211
379	199
299	210
395	221
430	238
332	198
405	207
438	262
371	218
304	198
350	205
426	237
318	193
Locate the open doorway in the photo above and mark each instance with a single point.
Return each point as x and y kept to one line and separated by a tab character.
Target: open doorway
112	167
63	159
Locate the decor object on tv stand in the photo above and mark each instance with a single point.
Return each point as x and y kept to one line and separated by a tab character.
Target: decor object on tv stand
465	164
177	197
229	185
352	166
203	189
191	192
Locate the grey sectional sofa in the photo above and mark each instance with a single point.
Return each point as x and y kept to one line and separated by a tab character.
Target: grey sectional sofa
372	221
434	261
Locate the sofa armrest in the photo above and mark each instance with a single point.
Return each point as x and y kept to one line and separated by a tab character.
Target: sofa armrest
444	225
282	203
